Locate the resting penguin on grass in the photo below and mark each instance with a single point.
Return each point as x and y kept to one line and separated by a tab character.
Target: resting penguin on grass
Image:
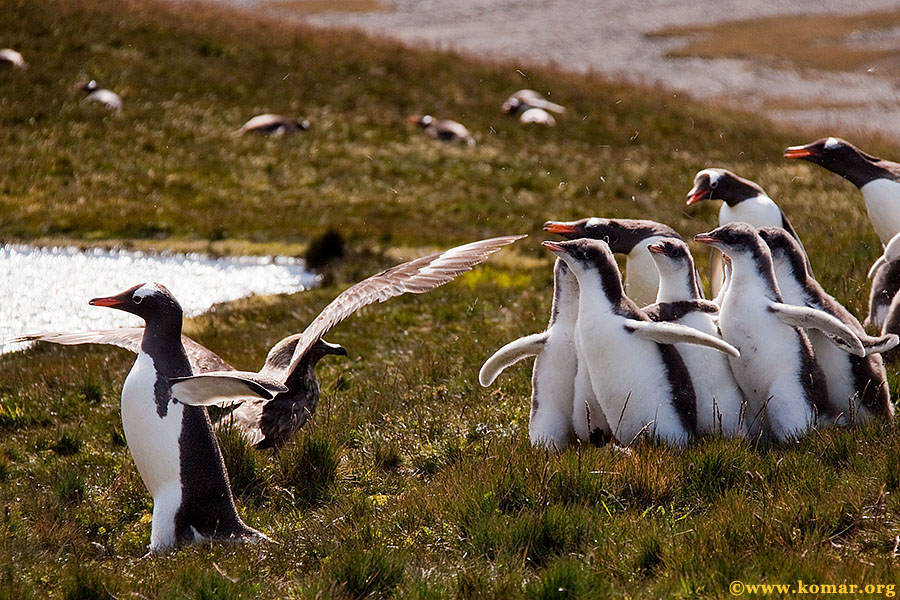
292	361
879	182
743	201
777	371
624	236
638	376
857	385
553	376
720	403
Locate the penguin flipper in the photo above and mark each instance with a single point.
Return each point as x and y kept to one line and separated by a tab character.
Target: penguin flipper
879	262
674	333
805	317
877	345
530	345
223	388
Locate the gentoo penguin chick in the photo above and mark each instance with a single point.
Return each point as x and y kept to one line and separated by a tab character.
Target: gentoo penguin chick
292	361
743	201
537	116
879	182
275	125
94	93
523	100
445	130
630	237
167	429
720	404
777	371
857	385
553	376
638	377
8	56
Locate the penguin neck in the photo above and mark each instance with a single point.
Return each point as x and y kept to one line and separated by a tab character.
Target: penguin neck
755	276
162	342
565	295
678	283
598	295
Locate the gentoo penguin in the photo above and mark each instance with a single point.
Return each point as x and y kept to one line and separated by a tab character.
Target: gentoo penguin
720	403
292	360
537	116
94	93
857	385
743	201
879	182
167	429
777	371
876	178
275	125
524	100
445	130
624	236
639	378
553	376
8	56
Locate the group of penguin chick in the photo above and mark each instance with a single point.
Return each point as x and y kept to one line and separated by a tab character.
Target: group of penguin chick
771	356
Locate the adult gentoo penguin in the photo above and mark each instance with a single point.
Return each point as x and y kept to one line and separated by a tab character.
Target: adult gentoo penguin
12	57
555	365
720	403
94	93
743	201
639	378
292	361
624	236
879	182
857	385
777	371
276	125
445	130
168	432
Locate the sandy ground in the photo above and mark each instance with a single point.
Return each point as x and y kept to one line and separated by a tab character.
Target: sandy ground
608	36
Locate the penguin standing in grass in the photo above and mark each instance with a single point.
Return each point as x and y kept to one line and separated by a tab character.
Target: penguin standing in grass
720	403
857	385
553	376
777	371
168	431
879	182
639	378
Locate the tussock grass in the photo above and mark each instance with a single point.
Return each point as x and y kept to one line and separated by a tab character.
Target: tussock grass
411	481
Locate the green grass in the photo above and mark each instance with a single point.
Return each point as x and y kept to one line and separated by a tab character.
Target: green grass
411	481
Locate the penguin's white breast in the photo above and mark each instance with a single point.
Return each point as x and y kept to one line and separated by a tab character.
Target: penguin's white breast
152	440
759	212
882	198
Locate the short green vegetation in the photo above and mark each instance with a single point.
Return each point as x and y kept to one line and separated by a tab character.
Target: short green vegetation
411	481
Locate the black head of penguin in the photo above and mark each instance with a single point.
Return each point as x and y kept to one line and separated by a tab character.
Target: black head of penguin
842	158
721	184
150	301
592	256
622	235
785	248
738	240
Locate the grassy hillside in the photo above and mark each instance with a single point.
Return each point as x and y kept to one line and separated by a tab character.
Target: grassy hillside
412	481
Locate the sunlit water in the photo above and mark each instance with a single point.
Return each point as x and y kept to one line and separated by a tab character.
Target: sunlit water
47	289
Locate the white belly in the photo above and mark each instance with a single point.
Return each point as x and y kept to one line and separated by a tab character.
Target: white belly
152	440
759	212
641	274
882	198
630	381
553	389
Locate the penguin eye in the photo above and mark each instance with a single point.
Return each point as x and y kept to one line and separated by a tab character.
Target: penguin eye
137	299
714	184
